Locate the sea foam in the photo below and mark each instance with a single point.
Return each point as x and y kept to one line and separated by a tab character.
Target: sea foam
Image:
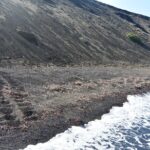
124	128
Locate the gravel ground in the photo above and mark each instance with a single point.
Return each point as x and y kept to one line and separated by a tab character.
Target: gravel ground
38	102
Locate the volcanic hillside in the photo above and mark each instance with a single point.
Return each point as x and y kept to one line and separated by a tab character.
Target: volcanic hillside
71	32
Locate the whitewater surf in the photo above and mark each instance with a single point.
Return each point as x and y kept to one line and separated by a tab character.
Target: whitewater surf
124	128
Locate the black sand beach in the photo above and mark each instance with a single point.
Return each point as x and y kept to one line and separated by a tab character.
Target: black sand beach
39	102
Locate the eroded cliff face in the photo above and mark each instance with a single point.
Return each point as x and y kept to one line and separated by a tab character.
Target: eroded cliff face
71	32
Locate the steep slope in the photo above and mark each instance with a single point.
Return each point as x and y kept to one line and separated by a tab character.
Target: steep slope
71	32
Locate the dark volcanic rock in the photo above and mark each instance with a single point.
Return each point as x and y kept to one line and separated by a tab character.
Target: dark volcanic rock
71	32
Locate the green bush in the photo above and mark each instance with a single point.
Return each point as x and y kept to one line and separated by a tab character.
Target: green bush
134	38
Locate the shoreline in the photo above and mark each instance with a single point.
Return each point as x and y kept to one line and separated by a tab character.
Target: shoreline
39	103
44	130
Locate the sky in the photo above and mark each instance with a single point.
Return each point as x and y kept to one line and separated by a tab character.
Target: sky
137	6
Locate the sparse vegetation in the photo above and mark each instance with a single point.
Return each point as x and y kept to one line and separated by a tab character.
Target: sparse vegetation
134	37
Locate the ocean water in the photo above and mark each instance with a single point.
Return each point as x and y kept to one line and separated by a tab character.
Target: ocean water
124	128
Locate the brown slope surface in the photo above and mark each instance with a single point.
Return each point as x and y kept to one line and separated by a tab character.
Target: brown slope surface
70	32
